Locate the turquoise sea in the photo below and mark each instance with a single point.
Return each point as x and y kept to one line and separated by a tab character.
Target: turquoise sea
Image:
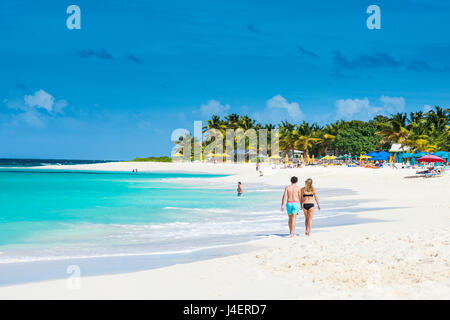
133	221
48	215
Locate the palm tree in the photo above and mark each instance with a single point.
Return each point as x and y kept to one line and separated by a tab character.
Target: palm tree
307	136
215	124
328	135
246	123
395	129
421	143
288	136
232	121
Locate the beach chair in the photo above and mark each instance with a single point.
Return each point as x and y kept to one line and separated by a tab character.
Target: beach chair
435	174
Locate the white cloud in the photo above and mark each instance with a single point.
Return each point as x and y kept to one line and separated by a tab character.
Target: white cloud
33	106
393	104
363	109
214	107
32	118
349	107
427	108
44	100
293	108
40	99
59	106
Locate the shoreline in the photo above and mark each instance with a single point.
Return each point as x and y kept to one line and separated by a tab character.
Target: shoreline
401	213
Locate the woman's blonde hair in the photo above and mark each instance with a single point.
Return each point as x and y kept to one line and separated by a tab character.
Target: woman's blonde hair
308	185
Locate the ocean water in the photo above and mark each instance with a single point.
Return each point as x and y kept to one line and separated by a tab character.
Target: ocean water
44	162
49	215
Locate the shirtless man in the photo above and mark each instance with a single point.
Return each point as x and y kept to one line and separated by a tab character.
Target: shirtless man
292	193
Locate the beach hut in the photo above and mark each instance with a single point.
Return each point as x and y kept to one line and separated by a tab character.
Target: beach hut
398	151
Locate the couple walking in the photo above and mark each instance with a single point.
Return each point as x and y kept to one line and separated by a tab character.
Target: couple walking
299	197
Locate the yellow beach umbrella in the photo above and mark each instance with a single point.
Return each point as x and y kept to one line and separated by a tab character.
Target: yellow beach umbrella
287	159
178	154
312	160
275	157
267	160
308	160
301	159
211	155
365	157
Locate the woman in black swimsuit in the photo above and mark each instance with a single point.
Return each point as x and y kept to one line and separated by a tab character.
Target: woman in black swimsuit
308	194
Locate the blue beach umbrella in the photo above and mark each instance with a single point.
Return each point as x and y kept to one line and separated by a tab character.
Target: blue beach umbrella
442	154
371	154
420	154
384	154
407	155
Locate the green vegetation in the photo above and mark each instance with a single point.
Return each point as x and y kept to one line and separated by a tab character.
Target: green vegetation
421	131
153	159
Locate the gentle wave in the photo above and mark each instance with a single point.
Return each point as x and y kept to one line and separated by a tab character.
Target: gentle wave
109	255
212	210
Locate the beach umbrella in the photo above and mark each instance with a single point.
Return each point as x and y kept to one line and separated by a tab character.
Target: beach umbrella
301	159
178	154
312	160
420	154
275	156
365	157
430	158
383	154
371	154
329	158
211	155
267	160
407	155
286	159
442	154
307	158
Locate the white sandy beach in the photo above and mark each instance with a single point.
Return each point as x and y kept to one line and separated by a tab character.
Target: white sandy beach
405	254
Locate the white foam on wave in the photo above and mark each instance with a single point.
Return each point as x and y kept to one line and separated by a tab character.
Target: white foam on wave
108	255
212	210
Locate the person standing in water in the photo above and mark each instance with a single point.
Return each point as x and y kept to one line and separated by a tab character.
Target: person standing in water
240	189
307	196
292	195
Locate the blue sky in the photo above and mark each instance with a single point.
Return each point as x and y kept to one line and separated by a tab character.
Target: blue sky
137	70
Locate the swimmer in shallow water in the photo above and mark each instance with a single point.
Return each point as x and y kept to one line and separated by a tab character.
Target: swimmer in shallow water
240	189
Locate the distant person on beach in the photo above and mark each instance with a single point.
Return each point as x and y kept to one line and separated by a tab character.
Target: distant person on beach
307	196
240	189
292	197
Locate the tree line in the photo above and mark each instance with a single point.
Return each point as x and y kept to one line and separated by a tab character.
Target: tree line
421	131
